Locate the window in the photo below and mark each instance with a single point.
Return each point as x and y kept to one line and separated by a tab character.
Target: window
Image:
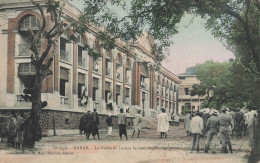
182	109
81	85
94	94
95	65
30	22
81	60
27	81
95	89
107	92
64	78
62	87
186	91
64	50
117	94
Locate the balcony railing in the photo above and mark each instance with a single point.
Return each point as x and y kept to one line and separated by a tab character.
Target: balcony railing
22	99
64	55
24	50
64	100
81	62
108	72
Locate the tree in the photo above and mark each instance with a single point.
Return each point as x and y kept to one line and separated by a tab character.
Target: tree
43	47
211	76
235	22
229	83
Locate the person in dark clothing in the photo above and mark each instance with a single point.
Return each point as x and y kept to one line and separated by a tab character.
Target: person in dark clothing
238	123
94	121
87	124
205	118
81	124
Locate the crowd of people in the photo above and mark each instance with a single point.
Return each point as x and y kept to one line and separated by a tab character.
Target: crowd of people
89	124
204	123
15	130
212	125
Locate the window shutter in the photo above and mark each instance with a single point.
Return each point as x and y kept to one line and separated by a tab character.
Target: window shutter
107	86
95	83
81	78
64	74
117	89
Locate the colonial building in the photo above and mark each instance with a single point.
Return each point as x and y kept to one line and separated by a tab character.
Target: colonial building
186	101
120	78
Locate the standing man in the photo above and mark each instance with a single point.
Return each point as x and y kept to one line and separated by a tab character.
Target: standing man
224	123
138	123
122	124
94	124
109	125
163	123
196	130
205	118
212	127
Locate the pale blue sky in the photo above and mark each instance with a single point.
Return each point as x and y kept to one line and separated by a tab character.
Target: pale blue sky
191	46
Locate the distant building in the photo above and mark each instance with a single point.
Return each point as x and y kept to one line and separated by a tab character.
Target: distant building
186	101
121	78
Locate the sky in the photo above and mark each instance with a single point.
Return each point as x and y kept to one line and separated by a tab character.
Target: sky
192	45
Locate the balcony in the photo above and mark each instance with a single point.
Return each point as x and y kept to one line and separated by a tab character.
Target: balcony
23	101
24	50
64	56
81	62
108	72
64	100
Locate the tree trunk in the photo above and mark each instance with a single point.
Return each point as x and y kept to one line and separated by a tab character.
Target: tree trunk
255	152
33	130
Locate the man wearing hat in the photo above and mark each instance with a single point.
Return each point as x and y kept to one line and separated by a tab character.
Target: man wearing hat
224	123
212	127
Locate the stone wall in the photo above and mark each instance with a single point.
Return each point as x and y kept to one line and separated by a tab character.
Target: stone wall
64	120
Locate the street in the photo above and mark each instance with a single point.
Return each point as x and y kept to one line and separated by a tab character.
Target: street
148	148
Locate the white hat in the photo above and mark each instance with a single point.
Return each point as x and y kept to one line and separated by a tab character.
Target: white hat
215	112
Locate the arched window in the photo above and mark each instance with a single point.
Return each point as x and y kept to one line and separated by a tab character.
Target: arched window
29	22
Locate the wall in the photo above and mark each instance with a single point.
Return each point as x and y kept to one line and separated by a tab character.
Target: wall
50	120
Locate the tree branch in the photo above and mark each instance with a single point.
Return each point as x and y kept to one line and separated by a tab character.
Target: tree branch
43	16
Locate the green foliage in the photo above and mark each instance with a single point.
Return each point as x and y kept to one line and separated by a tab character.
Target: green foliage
225	83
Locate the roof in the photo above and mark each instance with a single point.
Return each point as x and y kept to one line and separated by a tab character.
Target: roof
189	72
